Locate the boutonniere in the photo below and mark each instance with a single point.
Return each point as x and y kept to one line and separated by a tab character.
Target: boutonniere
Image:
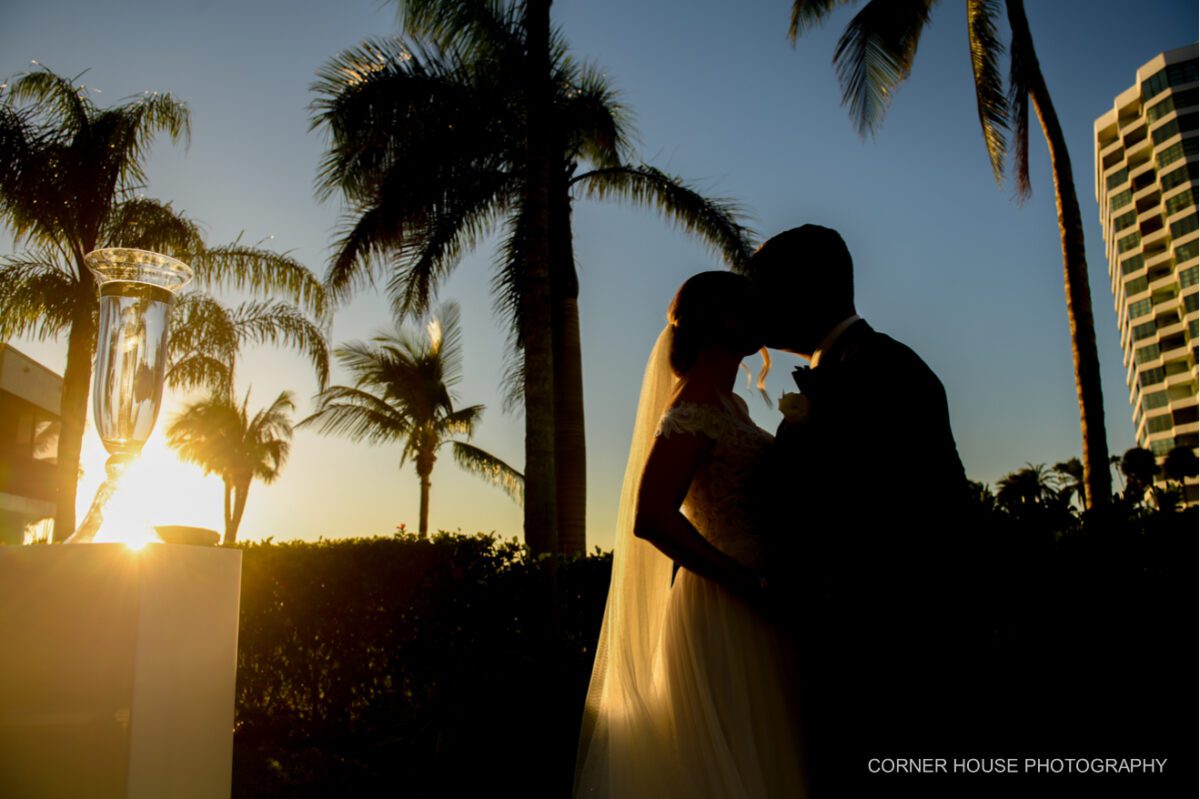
795	407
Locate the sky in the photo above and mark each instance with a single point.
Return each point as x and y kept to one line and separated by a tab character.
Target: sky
945	260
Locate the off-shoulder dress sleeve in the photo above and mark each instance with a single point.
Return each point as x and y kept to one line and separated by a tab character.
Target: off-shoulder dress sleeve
688	417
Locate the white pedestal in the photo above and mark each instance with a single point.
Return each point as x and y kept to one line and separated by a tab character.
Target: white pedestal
117	671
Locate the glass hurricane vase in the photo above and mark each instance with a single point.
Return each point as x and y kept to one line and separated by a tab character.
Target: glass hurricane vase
137	290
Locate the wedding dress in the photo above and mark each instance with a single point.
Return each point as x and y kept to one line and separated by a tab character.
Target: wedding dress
691	693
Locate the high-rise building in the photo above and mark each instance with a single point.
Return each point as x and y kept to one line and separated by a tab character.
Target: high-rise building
1146	188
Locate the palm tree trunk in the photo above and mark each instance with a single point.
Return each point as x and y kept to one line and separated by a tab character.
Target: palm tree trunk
424	470
1097	480
424	529
230	533
77	378
541	510
240	492
570	446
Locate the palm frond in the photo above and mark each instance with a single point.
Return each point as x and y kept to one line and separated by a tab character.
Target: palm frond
597	125
203	346
986	49
463	420
151	225
453	227
262	272
875	53
134	126
491	468
56	95
1022	68
37	298
808	14
358	415
199	370
449	342
715	220
279	323
483	26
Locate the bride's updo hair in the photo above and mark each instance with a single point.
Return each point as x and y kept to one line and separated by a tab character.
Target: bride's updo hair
701	314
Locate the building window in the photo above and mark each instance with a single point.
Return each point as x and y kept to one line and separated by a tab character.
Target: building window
1144	331
1117	178
1192	329
1140	308
1124	220
1120	200
1182	73
1189	303
1151	377
1164	132
1132	264
1183	226
1186	252
1129	242
1158	424
1176	178
1160	109
1169	155
1180	201
1156	84
1157	399
1148	353
1187	277
1160	448
1136	286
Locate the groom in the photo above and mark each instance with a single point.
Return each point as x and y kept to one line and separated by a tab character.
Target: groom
865	496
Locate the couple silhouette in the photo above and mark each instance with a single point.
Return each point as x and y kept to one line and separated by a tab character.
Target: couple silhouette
783	608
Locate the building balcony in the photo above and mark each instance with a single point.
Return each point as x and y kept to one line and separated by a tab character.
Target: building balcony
1164	282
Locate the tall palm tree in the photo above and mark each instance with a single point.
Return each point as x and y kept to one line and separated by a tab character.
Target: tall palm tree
438	139
403	392
220	436
70	174
875	53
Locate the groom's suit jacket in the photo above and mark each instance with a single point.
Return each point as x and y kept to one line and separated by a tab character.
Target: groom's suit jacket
866	494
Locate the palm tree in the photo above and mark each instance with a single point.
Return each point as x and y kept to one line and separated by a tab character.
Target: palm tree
1026	489
220	436
69	179
875	53
1139	466
1180	464
439	140
1069	475
403	393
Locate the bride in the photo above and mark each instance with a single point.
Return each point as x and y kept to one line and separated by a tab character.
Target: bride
691	693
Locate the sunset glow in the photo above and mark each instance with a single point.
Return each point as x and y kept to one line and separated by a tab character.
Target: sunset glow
157	489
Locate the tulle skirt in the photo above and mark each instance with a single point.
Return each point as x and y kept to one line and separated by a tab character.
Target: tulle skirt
728	697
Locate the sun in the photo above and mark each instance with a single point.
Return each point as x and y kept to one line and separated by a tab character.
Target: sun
157	489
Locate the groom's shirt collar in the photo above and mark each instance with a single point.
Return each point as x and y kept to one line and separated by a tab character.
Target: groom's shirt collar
832	337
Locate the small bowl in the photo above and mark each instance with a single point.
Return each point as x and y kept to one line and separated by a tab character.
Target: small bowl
182	534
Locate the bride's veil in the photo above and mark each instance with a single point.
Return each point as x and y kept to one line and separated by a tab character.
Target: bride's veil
624	737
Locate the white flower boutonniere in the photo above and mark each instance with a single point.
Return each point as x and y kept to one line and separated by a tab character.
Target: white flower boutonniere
795	407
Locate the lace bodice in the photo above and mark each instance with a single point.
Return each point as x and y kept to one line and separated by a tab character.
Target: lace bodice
719	501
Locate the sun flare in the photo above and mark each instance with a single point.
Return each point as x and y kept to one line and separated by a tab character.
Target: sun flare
157	489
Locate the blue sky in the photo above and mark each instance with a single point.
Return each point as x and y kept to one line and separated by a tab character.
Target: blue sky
946	261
